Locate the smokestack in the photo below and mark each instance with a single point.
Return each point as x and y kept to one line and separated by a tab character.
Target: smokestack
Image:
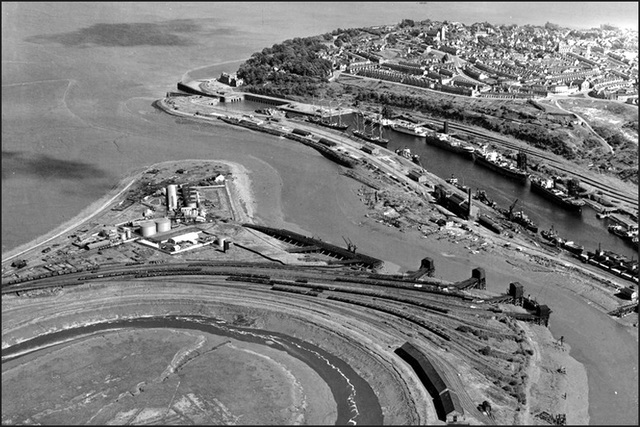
446	127
469	198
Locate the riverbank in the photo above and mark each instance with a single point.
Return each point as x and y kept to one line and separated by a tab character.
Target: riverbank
245	208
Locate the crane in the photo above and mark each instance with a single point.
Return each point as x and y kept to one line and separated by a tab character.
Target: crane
513	205
351	247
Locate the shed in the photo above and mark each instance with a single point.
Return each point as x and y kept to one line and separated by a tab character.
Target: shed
370	149
629	293
451	406
424	369
417	175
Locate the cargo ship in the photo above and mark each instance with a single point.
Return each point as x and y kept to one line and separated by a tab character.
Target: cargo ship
569	246
444	141
545	187
495	162
409	129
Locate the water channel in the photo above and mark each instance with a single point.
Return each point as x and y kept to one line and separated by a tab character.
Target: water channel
584	229
356	401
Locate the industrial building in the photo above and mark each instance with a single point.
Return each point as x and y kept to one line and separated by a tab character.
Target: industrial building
455	202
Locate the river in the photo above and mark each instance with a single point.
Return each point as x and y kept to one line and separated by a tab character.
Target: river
345	384
78	80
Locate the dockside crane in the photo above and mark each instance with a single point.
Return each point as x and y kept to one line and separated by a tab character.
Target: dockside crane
351	247
513	205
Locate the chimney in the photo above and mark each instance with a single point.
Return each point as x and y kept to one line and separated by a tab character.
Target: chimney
446	127
469	198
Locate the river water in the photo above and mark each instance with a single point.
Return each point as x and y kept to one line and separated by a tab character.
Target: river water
78	80
356	401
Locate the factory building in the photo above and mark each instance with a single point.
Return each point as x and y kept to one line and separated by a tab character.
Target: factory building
190	197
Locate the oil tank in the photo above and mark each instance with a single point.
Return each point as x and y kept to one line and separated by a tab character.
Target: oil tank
163	225
148	228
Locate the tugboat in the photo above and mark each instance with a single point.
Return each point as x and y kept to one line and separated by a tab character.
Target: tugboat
552	236
404	152
454	181
520	218
572	247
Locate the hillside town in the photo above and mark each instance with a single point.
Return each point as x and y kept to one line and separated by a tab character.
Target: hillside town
490	61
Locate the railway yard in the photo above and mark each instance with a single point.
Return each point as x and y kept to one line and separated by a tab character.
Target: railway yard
485	347
180	240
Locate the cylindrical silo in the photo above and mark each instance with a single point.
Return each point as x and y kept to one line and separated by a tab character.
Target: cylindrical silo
221	243
163	225
148	228
128	232
172	196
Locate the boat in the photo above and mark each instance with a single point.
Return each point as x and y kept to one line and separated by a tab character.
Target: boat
482	196
545	187
520	218
370	137
415	158
454	181
495	162
322	121
444	141
409	128
404	152
552	236
378	120
572	247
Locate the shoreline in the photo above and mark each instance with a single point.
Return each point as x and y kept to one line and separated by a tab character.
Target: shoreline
242	188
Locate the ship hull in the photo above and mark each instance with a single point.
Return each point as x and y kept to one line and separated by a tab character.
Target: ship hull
407	131
330	125
446	146
383	142
515	175
539	189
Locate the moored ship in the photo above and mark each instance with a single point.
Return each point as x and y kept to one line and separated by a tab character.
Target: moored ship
495	162
409	129
444	141
328	123
546	188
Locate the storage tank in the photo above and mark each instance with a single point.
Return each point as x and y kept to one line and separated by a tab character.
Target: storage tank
128	232
221	241
163	225
148	228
